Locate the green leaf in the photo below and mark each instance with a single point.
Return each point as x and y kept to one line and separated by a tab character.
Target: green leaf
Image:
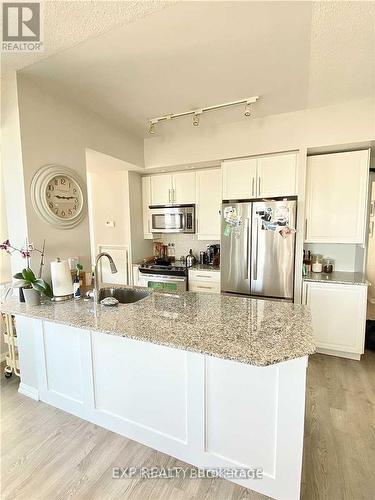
79	267
28	275
18	276
42	286
20	284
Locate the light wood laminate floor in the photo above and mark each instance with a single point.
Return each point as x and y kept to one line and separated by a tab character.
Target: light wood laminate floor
47	454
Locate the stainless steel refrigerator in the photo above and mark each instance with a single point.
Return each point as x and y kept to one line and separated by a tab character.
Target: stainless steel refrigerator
258	248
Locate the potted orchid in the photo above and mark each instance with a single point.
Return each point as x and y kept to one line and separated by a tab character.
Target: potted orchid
31	286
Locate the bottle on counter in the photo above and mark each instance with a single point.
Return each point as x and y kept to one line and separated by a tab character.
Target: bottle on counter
307	261
77	282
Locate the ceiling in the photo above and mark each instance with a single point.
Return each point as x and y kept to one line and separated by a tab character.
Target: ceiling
67	23
195	54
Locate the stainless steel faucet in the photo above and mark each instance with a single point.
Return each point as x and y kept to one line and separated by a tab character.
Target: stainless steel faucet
96	281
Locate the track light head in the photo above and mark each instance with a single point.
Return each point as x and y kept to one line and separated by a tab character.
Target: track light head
151	127
196	120
247	111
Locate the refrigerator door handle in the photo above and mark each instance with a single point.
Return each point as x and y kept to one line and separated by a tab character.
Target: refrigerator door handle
255	272
247	272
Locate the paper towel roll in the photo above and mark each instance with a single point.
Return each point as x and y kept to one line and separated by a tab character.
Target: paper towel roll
61	278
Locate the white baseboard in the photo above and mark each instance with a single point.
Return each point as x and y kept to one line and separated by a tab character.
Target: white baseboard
341	354
28	391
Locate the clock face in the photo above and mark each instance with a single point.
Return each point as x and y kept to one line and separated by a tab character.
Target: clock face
58	196
63	197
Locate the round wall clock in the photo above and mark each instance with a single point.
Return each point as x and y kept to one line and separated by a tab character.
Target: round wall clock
57	196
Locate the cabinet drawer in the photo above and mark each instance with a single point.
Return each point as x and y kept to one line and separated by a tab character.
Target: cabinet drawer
208	276
203	286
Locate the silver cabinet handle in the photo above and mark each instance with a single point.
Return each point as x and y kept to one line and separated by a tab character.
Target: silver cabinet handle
252	187
305	229
256	253
258	186
206	287
148	226
173	195
169	196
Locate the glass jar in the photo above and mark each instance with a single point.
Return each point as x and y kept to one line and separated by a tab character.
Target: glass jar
328	264
317	263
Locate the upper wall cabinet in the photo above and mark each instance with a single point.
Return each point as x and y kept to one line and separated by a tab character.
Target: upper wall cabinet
277	175
146	202
178	188
161	189
239	179
208	204
265	176
336	197
183	185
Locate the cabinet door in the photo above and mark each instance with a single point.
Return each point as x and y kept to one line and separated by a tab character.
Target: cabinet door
336	197
183	187
161	189
208	204
146	202
239	179
338	314
277	175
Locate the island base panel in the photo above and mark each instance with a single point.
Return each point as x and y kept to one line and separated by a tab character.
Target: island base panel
206	411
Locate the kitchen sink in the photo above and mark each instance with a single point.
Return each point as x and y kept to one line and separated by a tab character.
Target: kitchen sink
123	295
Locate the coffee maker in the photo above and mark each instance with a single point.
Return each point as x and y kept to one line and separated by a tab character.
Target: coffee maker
213	254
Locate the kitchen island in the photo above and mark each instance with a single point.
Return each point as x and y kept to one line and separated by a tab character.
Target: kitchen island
213	380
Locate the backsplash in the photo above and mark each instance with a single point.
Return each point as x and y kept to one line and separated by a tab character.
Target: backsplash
183	243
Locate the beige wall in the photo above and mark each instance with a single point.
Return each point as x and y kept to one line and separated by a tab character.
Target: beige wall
180	143
54	131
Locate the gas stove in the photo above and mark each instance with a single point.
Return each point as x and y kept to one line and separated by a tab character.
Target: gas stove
163	267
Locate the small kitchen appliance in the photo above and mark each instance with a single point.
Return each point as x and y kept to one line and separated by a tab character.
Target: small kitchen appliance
172	219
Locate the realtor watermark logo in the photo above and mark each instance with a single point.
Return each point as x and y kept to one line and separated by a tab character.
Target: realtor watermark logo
22	27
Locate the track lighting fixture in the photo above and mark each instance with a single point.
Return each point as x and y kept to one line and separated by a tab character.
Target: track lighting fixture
195	113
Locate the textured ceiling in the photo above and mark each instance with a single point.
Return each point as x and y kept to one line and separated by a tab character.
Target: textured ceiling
293	54
67	23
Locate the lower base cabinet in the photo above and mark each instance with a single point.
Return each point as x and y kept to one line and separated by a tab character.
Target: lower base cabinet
339	317
204	281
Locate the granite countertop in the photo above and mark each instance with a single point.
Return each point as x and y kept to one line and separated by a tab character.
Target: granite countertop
204	267
342	277
257	332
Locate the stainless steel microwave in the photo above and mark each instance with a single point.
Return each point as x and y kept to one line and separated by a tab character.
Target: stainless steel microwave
172	219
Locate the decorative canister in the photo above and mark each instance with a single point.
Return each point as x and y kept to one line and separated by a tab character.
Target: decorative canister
317	263
328	265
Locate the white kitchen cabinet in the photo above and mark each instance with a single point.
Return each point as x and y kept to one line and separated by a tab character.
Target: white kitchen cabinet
336	197
339	317
208	204
260	177
176	188
239	179
277	175
204	281
146	202
161	189
183	187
